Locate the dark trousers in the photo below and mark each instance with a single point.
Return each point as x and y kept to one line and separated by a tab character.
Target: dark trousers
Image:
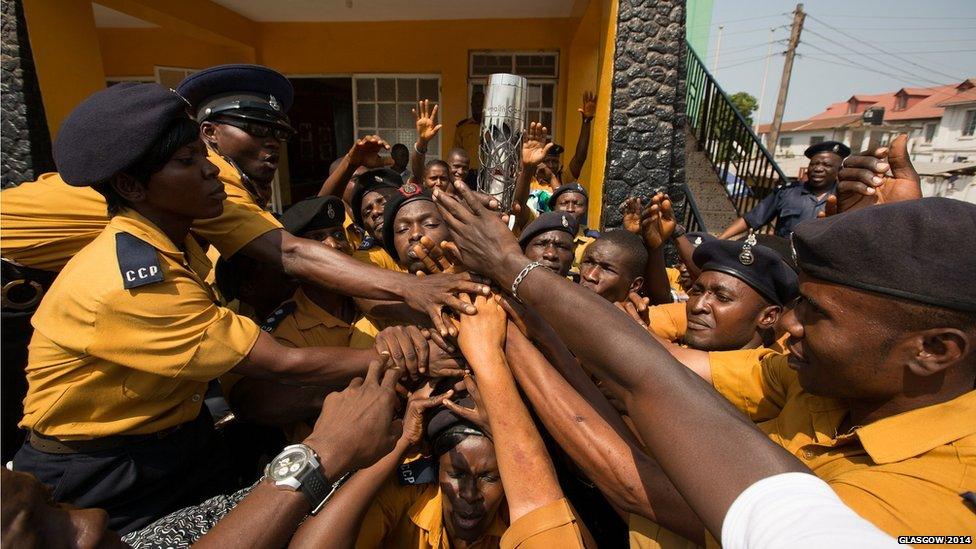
137	483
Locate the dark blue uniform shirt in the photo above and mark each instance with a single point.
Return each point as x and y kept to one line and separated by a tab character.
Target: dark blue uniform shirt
790	205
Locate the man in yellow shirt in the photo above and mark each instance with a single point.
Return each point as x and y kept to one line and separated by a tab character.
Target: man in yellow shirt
467	133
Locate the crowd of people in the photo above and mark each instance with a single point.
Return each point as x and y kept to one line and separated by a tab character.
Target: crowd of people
400	361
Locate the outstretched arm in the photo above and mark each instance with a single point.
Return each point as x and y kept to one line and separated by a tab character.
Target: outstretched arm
364	152
587	111
711	464
425	119
534	148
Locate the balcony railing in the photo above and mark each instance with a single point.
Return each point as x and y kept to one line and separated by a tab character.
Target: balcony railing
744	166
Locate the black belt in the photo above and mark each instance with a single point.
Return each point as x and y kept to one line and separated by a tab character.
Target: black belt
22	286
51	445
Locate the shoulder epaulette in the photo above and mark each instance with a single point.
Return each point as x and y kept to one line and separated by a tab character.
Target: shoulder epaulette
138	261
367	244
279	314
419	471
465	121
591	233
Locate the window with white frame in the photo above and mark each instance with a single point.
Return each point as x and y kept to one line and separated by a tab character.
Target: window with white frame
385	103
931	130
541	69
785	142
814	140
969	123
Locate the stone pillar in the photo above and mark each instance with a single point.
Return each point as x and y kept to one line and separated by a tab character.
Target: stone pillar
647	111
24	136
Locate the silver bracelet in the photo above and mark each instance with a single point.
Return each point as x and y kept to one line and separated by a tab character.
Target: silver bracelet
521	276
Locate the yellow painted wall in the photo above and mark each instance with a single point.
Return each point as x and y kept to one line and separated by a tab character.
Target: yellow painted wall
601	124
134	52
66	54
435	47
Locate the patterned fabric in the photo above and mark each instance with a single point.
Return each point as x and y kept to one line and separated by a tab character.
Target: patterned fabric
181	529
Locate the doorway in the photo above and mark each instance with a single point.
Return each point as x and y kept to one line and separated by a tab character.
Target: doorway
323	119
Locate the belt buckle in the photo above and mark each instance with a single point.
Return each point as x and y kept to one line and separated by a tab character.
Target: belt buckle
6	302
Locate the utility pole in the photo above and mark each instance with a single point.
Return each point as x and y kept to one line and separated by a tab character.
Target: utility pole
784	83
718	48
762	87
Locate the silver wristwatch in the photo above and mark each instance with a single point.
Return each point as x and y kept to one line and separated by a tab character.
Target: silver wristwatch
297	467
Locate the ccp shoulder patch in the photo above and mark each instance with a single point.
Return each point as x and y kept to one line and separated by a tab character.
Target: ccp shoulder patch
138	261
420	471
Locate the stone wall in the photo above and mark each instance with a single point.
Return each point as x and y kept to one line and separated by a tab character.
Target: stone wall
647	111
24	138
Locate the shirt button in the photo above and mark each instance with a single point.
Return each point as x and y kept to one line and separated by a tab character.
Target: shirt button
809	454
195	397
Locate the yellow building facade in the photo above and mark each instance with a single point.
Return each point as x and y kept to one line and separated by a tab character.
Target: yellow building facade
351	77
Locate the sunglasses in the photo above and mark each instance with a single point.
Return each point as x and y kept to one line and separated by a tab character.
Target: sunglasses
257	129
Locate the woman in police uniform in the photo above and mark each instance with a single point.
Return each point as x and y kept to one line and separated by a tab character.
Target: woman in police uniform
129	336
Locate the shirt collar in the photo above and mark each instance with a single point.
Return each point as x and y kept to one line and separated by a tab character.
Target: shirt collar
230	173
427	514
913	433
131	222
309	315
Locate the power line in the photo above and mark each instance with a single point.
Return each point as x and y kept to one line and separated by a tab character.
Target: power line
750	60
910	62
737	20
889	29
899	69
893	17
744	48
855	64
916	52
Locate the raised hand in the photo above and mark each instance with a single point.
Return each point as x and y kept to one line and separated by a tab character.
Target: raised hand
406	348
657	221
420	401
434	257
534	146
365	152
631	208
476	415
588	110
863	179
356	426
426	122
481	240
430	294
445	364
484	333
637	308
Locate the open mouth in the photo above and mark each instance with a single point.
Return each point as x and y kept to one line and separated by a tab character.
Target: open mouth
465	522
587	284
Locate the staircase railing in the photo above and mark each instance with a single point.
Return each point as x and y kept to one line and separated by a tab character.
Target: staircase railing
744	166
689	214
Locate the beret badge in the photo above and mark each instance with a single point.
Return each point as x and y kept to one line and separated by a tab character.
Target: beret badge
565	222
745	256
274	103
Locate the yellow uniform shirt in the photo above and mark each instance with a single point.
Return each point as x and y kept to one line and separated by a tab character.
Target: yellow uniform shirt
467	136
47	222
904	473
309	325
106	360
668	321
553	525
366	328
411	517
673	276
582	241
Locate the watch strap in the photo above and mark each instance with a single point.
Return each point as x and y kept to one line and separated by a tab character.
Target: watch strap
318	489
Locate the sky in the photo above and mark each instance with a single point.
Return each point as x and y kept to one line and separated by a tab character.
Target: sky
846	47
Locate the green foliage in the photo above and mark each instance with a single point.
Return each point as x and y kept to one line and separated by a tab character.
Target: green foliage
746	104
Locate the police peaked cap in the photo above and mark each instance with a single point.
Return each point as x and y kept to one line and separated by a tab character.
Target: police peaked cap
758	266
835	147
112	129
555	150
406	194
314	213
371	180
549	221
573	187
919	250
244	91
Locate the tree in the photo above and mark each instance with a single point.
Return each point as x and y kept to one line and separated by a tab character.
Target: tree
746	104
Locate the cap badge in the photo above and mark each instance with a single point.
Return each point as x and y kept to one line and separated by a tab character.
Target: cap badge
274	103
565	222
331	211
409	189
697	242
745	256
835	148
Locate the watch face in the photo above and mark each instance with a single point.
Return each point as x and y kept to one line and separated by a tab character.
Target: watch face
288	463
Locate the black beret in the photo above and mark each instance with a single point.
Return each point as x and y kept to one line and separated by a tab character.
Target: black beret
245	91
555	150
370	181
758	266
698	238
444	421
406	194
835	147
919	250
111	129
314	213
779	245
549	221
573	187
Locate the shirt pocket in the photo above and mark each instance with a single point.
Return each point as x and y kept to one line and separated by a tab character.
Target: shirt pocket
790	212
145	386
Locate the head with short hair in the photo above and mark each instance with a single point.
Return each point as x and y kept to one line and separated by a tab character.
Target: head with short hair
550	240
572	199
408	217
613	265
401	157
437	174
460	163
